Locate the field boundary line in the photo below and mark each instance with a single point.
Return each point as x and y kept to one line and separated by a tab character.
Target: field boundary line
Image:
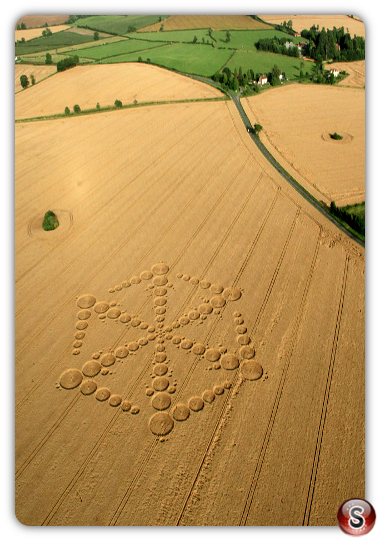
265	443
111	108
322	421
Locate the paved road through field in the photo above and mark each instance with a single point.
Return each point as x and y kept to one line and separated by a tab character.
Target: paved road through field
236	99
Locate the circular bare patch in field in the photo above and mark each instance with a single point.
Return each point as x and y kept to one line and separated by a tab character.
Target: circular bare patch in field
86	301
218	389
146	275
347	138
113	313
161	383
218	301
88	387
125	318
84	314
161	401
71	378
108	359
184	320
160	369
81	325
160	301
121	352
115	400
126	405
204	284
161	423
216	289
65	219
101	307
247	352
196	403
160	280
181	412
102	394
186	344
198	348
212	355
205	308
251	370
133	346
160	268
91	368
232	293
229	361
208	396
194	314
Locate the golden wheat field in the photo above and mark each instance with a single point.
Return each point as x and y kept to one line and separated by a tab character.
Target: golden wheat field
39	72
125	82
355	70
38	20
37	32
302	22
216	22
190	339
297	122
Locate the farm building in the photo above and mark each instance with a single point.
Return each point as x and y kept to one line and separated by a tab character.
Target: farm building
263	79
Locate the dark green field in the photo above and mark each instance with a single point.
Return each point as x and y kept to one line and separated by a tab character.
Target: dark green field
45	43
118	24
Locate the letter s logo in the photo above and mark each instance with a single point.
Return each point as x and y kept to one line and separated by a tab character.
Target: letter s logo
356	519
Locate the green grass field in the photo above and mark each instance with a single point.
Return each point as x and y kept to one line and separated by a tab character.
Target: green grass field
44	43
195	59
245	39
122	47
175	36
262	62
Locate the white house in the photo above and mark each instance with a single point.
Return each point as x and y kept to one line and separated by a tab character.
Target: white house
263	79
334	72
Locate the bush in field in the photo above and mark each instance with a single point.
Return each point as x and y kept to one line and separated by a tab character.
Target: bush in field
258	128
48	59
98	106
118	104
96	36
50	221
32	79
336	136
67	111
24	81
76	109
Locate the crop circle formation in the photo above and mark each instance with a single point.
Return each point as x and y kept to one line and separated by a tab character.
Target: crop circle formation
168	404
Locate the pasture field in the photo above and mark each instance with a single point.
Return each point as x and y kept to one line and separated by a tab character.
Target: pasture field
191	331
123	46
84	85
44	43
263	62
190	58
297	121
302	22
215	22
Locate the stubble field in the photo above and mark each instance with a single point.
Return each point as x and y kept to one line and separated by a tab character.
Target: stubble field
297	122
215	22
190	340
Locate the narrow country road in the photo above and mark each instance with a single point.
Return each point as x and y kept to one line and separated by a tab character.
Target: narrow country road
305	194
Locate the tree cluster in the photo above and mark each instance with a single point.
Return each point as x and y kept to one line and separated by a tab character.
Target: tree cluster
233	80
333	44
283	46
67	63
353	220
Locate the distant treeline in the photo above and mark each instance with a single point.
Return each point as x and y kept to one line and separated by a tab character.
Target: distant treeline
333	44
